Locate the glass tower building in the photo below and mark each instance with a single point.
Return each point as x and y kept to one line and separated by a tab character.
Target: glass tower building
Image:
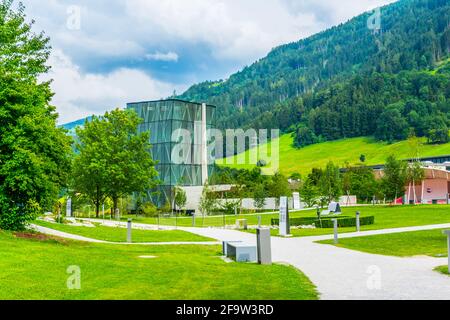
178	134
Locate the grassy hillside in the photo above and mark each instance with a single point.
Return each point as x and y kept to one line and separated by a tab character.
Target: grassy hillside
340	152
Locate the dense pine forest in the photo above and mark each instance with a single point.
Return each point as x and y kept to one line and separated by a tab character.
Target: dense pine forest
348	81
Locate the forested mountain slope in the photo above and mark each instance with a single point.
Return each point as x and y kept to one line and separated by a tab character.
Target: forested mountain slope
286	87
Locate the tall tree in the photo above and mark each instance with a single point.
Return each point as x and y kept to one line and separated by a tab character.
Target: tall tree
279	187
330	183
414	175
90	165
114	157
395	177
309	193
130	167
259	196
180	198
34	153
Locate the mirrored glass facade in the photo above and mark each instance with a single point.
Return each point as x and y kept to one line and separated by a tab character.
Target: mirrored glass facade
164	119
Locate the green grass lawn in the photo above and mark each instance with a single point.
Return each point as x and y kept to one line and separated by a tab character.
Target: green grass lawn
340	152
385	217
407	244
120	234
33	269
443	270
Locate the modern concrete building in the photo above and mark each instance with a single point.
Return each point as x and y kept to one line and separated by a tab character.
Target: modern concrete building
178	134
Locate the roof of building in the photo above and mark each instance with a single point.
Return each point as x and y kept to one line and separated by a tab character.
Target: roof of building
430	173
171	99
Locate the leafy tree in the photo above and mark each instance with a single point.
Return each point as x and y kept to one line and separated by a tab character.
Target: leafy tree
117	161
180	198
208	201
391	126
130	167
260	196
438	135
361	182
34	153
309	193
90	165
414	174
278	187
394	178
330	183
296	176
362	158
305	137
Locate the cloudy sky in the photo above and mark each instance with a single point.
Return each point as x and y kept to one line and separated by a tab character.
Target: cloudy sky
109	52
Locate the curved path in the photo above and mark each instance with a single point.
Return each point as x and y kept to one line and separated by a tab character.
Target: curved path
339	273
65	235
343	274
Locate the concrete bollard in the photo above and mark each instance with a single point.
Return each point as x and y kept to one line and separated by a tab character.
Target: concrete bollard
264	248
129	228
358	221
259	221
336	236
447	232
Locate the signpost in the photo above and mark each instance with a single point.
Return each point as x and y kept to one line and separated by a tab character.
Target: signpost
358	221
297	204
336	236
129	231
69	208
285	229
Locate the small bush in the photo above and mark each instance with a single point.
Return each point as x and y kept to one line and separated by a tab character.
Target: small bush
327	222
149	209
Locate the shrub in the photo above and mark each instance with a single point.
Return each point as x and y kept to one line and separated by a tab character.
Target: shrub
149	209
15	218
327	222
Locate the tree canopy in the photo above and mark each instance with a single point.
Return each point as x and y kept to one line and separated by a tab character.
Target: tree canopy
34	152
114	159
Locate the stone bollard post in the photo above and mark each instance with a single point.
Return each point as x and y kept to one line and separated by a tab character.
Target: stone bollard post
358	221
129	228
264	247
336	236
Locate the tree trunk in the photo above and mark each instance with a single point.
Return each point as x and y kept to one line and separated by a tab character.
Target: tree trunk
115	204
97	203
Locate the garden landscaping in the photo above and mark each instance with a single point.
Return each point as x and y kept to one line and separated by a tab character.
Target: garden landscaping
112	234
406	244
109	272
443	270
384	217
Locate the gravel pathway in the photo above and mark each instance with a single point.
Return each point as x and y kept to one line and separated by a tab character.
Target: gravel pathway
342	274
70	236
339	273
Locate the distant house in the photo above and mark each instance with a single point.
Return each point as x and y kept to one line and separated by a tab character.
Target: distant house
434	189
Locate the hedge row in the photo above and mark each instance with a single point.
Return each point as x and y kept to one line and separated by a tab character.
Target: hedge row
327	222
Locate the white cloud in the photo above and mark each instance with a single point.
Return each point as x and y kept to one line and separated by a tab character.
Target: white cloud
116	37
79	95
241	30
158	56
